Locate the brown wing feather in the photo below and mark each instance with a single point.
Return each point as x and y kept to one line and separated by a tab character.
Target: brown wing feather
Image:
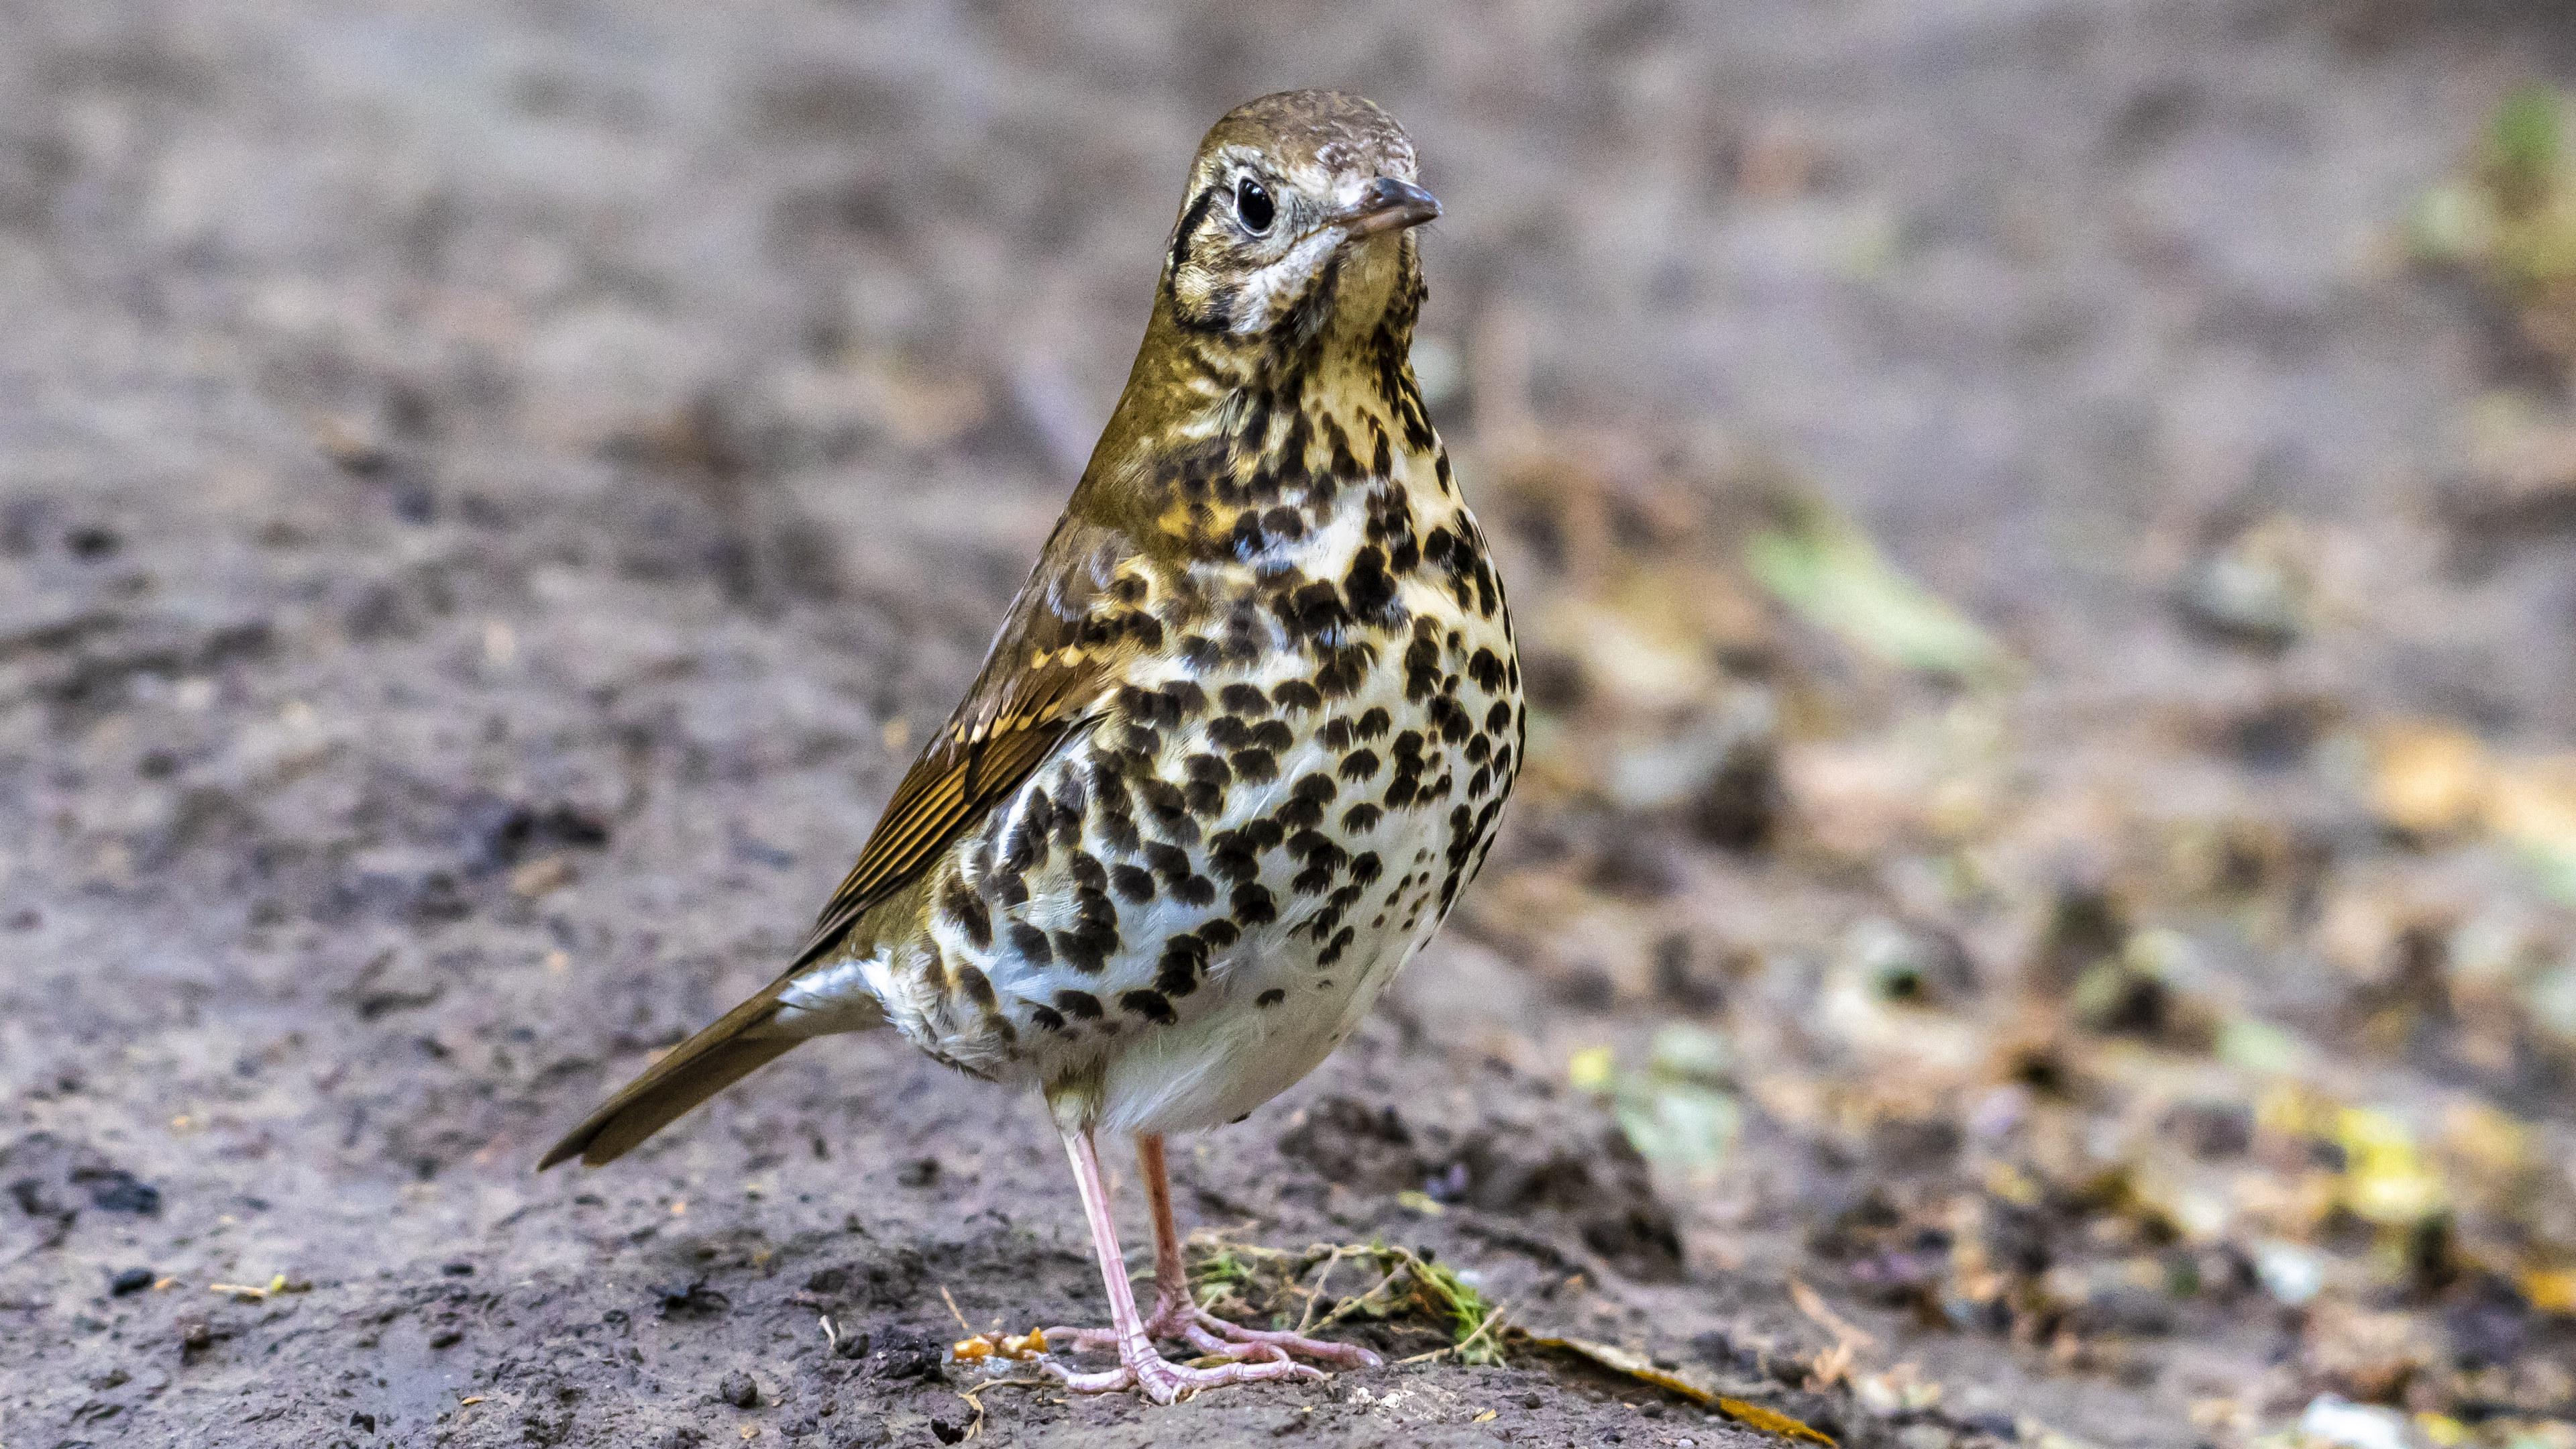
1050	667
1055	659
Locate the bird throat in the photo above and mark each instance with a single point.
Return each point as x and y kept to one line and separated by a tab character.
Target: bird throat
1226	444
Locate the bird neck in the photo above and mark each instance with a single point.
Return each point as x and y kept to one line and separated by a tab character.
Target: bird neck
1290	414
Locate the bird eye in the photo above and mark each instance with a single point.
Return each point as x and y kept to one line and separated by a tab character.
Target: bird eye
1252	203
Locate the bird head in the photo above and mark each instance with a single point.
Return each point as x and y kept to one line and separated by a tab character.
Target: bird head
1298	219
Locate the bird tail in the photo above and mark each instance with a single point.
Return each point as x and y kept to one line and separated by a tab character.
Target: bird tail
739	1043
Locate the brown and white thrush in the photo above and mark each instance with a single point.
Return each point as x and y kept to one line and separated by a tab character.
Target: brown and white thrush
1235	751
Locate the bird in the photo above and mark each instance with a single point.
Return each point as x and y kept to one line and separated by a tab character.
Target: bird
1241	740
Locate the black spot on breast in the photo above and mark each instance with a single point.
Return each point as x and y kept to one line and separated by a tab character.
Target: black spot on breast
977	986
1499	718
1366	867
1133	885
1086	950
1270	998
1164	799
1252	904
1072	803
1031	943
1368	587
1026	846
1230	855
1334	948
1344	670
1184	959
1297	694
1078	1003
1316	848
1118	833
1256	767
1479	750
1087	871
1452	720
1285	522
1311	611
1487	670
1373	724
1362	818
967	910
1400	792
1359	765
1197	890
1151	1005
1336	734
1421	670
1244	699
1201	652
1108	789
1247	538
1478	783
1229	732
1047	1017
1219	934
1170	862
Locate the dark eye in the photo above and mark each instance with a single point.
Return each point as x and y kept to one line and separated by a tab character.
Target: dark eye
1252	203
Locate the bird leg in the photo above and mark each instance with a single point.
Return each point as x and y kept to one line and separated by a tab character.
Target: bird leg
1178	1315
1140	1367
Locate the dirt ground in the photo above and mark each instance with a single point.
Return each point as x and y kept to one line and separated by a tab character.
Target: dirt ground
488	492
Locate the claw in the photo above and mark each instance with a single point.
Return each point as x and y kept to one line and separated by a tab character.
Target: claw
1166	1382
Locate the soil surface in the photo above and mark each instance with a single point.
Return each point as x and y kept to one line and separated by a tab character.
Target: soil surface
491	493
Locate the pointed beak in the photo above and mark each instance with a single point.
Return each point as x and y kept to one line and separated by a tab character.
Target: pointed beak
1388	205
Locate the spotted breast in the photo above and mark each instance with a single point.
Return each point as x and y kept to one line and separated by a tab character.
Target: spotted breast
1204	888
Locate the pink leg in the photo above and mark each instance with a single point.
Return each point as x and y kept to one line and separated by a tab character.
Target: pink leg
1177	1315
1139	1366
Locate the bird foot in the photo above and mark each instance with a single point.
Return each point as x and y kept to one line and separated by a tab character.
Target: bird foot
1212	1335
1229	1354
1164	1382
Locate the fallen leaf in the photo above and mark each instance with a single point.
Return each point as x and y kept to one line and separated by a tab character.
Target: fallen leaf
1826	570
1639	1367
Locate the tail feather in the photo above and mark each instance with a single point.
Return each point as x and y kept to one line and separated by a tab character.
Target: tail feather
716	1058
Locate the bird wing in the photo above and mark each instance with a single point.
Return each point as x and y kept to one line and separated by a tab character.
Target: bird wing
1060	654
1054	662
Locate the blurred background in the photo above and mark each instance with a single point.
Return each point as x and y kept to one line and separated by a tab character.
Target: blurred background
2044	531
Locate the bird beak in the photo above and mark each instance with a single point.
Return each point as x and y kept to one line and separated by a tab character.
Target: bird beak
1387	205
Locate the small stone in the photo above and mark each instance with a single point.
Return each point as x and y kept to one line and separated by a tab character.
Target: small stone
738	1389
132	1280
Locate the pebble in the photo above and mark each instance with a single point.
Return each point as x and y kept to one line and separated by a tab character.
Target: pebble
738	1389
132	1280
